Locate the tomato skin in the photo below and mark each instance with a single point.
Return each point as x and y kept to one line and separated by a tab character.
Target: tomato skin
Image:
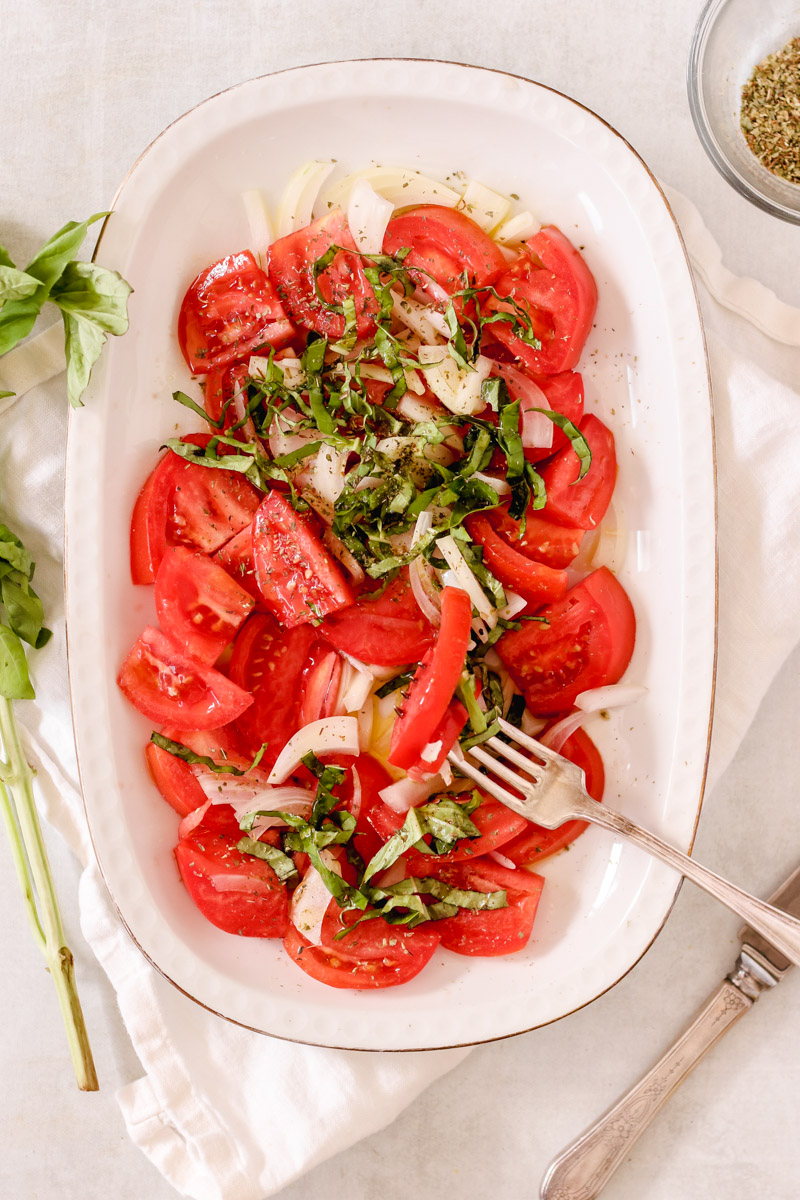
538	583
552	281
291	259
199	605
389	631
143	568
194	506
584	504
586	642
543	541
444	243
269	662
434	682
297	577
340	969
229	310
446	732
535	842
259	909
170	688
491	932
174	779
320	683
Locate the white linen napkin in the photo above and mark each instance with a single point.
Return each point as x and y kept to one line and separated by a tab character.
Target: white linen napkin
214	1142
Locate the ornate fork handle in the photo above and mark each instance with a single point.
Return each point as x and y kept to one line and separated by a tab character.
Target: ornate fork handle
777	927
582	1170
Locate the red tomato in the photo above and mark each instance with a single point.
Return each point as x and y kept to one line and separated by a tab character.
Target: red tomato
199	605
320	684
385	959
389	631
269	662
236	892
444	244
169	687
536	842
535	581
585	641
373	940
299	580
291	259
553	284
582	504
236	556
175	779
494	931
229	310
496	823
372	778
446	733
543	540
224	392
434	682
188	505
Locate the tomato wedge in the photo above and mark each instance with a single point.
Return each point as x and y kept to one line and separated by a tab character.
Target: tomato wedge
291	263
582	504
269	663
320	683
175	779
535	581
387	631
543	540
496	823
236	892
383	959
199	605
143	566
536	842
171	688
444	243
552	282
435	681
445	734
489	932
230	309
297	577
236	556
585	641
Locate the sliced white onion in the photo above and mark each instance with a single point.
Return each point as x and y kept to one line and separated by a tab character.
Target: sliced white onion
518	228
487	208
423	320
466	580
355	803
501	486
354	692
261	234
193	819
281	439
408	793
311	899
297	202
397	184
514	605
459	390
531	725
559	733
365	717
367	215
330	735
537	428
613	695
411	408
294	373
245	796
501	858
340	551
375	671
428	597
325	471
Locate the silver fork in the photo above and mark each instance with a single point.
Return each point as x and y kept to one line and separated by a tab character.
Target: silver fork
552	790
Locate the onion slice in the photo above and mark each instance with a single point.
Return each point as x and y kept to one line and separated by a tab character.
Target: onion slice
613	695
261	234
397	184
487	208
367	215
408	793
466	580
329	735
311	898
297	202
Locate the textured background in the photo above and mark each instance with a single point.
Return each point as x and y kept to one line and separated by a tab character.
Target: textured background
86	86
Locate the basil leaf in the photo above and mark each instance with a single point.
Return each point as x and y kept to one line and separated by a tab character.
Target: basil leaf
392	685
23	609
202	760
578	441
17	317
189	403
281	863
13	552
16	285
412	832
94	303
15	682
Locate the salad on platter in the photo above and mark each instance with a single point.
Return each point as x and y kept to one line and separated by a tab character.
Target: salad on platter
388	537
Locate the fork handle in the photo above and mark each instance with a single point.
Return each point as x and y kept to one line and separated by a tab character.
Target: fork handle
776	926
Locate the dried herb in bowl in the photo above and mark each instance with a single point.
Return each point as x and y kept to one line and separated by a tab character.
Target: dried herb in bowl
770	114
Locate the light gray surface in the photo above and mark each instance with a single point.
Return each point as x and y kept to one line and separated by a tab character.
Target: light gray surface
85	87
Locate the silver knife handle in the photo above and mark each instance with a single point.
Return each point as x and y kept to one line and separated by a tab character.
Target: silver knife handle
583	1169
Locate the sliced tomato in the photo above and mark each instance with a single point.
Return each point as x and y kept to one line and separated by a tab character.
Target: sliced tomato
372	778
268	663
387	631
496	824
320	683
228	311
291	262
236	892
538	583
143	567
175	779
584	641
386	959
489	932
535	842
199	605
170	688
373	940
444	735
225	395
582	504
298	578
190	505
434	682
552	283
444	243
542	540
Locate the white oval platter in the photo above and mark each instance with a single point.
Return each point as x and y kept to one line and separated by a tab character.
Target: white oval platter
645	372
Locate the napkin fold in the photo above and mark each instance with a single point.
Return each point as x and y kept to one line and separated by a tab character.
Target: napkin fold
216	1142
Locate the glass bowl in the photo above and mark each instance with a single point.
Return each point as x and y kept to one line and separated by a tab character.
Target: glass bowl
731	38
